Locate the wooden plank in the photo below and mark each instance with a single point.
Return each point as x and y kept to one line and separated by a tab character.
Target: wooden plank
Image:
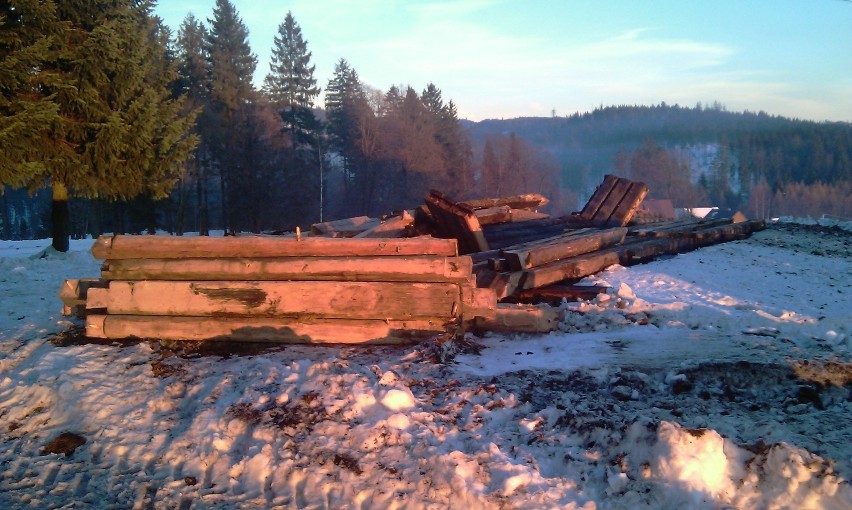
554	294
347	227
554	248
97	298
611	204
458	221
73	292
263	329
521	215
363	269
345	300
629	204
393	227
506	283
172	247
598	197
521	318
525	201
491	215
570	268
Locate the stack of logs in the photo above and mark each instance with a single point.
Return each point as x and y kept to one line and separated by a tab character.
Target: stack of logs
442	268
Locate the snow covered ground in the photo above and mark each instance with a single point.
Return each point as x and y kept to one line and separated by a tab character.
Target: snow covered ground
720	378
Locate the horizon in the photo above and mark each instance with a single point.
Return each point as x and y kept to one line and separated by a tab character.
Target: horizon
500	59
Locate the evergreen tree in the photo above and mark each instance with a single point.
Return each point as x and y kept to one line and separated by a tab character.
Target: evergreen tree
232	66
194	82
93	77
291	79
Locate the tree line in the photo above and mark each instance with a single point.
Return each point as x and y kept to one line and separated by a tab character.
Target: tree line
135	128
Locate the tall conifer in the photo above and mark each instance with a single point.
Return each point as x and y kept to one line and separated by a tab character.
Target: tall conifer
98	73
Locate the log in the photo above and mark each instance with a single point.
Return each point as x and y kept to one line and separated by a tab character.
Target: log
521	318
256	329
391	228
347	227
344	300
526	201
554	248
169	247
363	269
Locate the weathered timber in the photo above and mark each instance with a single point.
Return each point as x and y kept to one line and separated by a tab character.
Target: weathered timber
74	294
573	268
598	197
344	300
260	329
347	227
97	298
169	247
526	201
554	294
614	202
683	228
628	206
503	235
477	302
363	269
632	251
522	215
497	214
521	318
554	248
393	227
458	221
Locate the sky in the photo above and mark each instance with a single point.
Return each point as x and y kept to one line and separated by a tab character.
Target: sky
510	58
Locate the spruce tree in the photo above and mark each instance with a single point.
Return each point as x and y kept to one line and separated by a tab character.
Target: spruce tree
232	66
93	78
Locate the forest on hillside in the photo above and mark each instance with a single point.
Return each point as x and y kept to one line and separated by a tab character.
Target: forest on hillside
703	155
113	122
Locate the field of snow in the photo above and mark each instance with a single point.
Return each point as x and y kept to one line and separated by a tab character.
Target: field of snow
721	378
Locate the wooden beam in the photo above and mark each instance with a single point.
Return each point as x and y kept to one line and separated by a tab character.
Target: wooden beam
256	329
538	253
496	214
554	294
598	197
73	292
347	227
456	220
570	268
525	201
391	228
172	247
625	210
611	204
363	269
521	318
345	300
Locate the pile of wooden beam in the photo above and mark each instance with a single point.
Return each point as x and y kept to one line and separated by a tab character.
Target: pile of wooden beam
442	268
276	289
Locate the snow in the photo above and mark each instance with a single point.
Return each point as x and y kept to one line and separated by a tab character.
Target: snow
719	378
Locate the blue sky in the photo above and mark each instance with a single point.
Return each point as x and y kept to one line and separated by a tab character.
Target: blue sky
511	58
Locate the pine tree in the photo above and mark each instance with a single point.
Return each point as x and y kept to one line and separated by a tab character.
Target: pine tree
97	74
